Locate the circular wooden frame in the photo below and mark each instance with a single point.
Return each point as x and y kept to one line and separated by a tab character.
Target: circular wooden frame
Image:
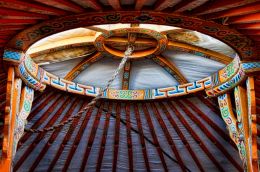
37	78
161	42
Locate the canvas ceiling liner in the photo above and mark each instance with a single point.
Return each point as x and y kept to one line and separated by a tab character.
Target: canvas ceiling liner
38	78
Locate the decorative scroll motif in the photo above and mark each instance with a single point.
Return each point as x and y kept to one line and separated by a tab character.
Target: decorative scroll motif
25	109
231	122
239	42
126	94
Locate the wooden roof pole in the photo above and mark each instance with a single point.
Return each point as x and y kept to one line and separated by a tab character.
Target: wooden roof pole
13	92
141	137
82	66
171	68
91	137
53	136
104	137
253	115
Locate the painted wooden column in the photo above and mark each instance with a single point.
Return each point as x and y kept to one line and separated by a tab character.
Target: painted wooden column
252	139
18	106
11	110
242	122
242	126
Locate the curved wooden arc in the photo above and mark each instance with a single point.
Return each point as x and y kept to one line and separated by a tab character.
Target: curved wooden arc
171	68
82	66
237	41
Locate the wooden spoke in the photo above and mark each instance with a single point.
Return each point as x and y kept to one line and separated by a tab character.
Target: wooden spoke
250	18
188	5
163	4
220	5
89	3
247	9
198	50
31	7
115	4
63	4
82	66
139	4
17	14
171	68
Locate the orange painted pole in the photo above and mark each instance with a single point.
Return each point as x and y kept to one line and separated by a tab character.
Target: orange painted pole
12	108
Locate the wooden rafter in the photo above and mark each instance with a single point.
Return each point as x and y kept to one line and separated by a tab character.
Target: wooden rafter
77	139
209	135
17	14
163	4
171	68
63	4
115	4
213	54
82	66
250	18
89	3
194	135
129	137
220	5
54	135
238	11
91	137
17	21
141	137
67	137
154	136
168	136
104	136
181	135
31	7
116	136
139	4
250	26
65	101
58	98
188	5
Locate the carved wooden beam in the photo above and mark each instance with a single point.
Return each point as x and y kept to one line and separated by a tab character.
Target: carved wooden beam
64	5
250	8
82	66
171	68
31	7
188	5
220	5
163	4
206	52
89	3
250	18
115	4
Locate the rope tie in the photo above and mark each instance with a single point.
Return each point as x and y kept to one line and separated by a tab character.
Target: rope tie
127	54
